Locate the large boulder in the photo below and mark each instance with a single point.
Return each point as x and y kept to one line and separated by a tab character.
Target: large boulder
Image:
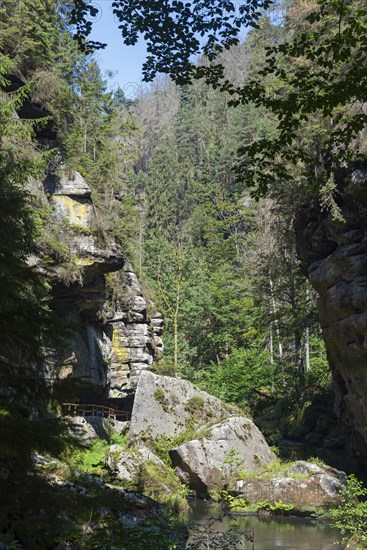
211	462
302	485
166	406
140	469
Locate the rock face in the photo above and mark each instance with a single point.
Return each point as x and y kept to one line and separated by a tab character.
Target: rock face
210	462
95	427
126	464
136	341
334	256
166	406
312	486
113	340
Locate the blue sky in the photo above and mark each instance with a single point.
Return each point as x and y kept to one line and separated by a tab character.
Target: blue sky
125	61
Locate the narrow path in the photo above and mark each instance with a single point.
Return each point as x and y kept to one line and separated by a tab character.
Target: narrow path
81	409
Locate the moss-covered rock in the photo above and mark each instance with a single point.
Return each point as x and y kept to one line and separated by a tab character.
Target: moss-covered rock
139	469
301	485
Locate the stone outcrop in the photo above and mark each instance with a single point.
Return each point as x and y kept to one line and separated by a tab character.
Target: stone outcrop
88	428
125	508
112	341
216	458
334	257
136	336
302	485
138	467
221	440
211	461
126	464
166	406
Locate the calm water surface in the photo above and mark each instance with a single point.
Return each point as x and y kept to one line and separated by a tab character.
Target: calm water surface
268	534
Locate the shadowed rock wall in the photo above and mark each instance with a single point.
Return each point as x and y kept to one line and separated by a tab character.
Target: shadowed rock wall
112	341
334	256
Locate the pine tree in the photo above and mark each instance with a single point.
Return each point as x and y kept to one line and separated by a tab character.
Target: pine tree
29	331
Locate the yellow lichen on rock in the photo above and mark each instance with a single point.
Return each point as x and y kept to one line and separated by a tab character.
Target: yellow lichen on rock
77	212
82	261
120	351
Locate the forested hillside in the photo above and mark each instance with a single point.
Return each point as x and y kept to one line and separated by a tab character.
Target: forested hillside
227	198
55	113
240	316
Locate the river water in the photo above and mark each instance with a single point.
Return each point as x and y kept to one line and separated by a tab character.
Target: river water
263	534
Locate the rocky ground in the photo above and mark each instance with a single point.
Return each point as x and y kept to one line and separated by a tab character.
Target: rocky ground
183	437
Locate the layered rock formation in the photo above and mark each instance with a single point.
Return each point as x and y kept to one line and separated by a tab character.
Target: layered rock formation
112	341
334	256
136	335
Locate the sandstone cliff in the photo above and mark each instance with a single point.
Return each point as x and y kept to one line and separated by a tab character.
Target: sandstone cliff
334	256
116	334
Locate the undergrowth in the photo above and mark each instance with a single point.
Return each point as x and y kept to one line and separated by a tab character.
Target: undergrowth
277	508
91	458
161	484
162	445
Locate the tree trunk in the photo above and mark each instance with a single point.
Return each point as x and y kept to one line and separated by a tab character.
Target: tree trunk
175	340
274	311
271	349
307	348
297	335
307	340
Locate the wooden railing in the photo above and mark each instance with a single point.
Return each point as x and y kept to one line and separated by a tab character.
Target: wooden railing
81	409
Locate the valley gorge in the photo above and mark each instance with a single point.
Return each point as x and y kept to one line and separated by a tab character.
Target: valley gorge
183	275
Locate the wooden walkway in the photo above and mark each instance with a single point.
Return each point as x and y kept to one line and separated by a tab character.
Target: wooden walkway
81	409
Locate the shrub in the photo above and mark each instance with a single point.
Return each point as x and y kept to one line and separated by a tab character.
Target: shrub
277	508
351	516
91	459
161	484
235	504
159	395
162	445
195	405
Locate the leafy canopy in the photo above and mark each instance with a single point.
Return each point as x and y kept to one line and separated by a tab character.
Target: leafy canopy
320	66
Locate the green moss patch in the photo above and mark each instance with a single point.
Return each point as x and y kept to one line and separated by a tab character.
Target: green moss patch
91	458
161	484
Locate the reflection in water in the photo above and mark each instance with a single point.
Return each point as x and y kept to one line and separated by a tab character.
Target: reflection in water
268	534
